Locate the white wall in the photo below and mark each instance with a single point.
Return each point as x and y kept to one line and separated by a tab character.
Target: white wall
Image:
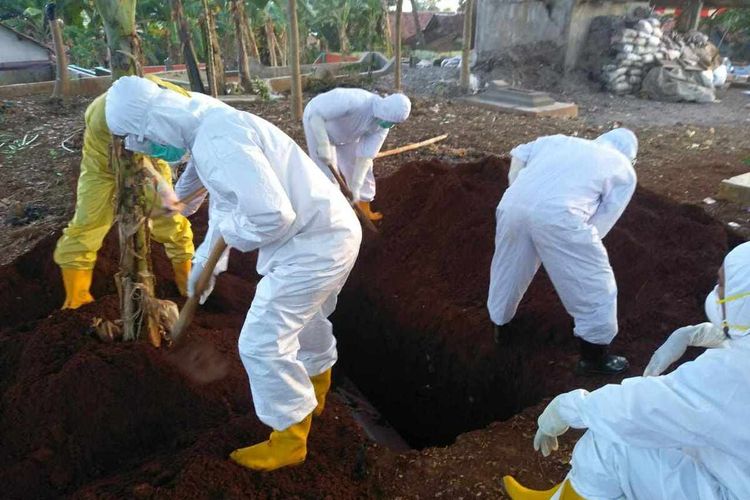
17	49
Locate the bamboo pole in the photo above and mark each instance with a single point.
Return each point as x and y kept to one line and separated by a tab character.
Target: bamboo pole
296	72
466	52
411	147
397	74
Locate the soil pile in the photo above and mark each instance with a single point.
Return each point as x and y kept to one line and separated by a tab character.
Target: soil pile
83	418
412	324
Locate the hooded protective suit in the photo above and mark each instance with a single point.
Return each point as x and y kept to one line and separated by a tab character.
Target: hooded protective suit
266	194
351	123
681	435
567	195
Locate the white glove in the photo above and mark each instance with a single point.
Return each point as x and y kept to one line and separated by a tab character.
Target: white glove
703	335
195	274
324	150
362	167
516	165
551	425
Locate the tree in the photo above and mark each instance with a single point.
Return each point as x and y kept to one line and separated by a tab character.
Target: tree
188	49
214	62
417	26
240	23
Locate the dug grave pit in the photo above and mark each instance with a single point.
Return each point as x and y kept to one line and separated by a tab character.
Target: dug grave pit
85	418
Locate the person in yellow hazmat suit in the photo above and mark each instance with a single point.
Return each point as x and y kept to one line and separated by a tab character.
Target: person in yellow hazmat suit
95	212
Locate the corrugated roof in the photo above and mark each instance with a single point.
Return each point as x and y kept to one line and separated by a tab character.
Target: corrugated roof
26	37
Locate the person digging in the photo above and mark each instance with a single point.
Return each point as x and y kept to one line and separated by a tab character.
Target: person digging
564	196
265	194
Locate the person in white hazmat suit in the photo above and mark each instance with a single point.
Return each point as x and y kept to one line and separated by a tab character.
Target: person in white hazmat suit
346	128
681	435
265	194
565	194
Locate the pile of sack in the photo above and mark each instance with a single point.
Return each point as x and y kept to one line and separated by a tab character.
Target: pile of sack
643	49
637	50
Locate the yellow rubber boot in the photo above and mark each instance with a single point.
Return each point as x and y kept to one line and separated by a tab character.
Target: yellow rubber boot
284	448
365	206
516	491
321	383
77	283
181	273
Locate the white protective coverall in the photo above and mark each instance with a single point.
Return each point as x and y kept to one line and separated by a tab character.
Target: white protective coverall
266	194
565	198
351	121
682	435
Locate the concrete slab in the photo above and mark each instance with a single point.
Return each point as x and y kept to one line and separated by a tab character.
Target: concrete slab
736	189
555	110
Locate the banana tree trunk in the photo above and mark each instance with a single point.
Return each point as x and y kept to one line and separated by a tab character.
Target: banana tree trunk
135	280
62	80
283	47
251	45
214	64
188	49
238	11
271	42
296	73
254	51
397	73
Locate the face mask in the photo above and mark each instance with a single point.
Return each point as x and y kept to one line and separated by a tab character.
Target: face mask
169	154
385	124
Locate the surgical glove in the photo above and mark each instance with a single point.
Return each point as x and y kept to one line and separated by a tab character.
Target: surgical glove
703	335
362	167
195	273
551	425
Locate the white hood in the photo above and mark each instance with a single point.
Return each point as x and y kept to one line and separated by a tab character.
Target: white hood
137	106
621	139
395	108
737	290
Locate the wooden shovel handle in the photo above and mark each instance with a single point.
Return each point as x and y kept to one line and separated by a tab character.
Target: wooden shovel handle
364	219
191	305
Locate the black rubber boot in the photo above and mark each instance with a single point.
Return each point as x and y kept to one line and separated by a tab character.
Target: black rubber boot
596	360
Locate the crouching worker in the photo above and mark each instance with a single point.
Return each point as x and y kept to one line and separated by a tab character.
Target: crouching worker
565	195
346	128
95	212
682	435
265	194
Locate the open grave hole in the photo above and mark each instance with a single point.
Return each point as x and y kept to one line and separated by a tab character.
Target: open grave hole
78	415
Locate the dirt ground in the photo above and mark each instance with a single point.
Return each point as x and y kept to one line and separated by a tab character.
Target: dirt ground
686	150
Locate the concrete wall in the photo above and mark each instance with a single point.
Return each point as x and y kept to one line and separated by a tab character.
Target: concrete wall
504	25
32	74
18	49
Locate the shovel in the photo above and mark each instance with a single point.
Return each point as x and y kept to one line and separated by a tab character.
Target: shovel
366	222
198	359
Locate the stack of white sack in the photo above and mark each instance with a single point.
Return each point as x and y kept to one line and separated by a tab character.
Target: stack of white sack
638	50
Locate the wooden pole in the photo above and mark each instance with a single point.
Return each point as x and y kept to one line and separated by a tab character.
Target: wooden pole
296	73
466	53
411	147
397	74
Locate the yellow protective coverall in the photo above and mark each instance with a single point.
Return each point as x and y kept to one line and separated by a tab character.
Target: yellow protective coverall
95	211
